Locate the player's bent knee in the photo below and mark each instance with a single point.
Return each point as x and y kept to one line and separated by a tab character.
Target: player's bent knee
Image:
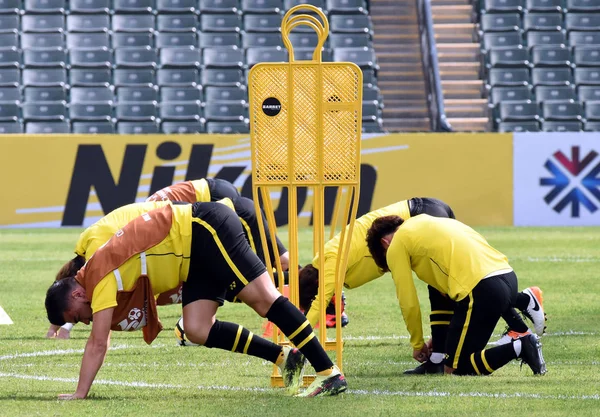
196	333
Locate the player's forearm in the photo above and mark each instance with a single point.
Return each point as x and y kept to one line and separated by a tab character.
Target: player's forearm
93	357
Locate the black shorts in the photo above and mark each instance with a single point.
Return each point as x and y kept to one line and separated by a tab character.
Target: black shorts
430	206
221	263
475	318
220	189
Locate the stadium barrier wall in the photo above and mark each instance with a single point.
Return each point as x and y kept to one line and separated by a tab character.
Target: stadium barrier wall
54	181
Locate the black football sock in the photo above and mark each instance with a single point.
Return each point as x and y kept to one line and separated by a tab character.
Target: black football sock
236	338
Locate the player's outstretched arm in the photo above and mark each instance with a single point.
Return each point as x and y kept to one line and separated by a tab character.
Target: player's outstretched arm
93	356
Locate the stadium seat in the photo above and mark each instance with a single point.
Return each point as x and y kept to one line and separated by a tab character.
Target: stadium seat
133	77
587	76
40	40
304	39
34	128
180	94
372	126
262	22
346	6
225	111
518	110
544	5
136	128
89	77
9	111
132	40
221	77
90	58
370	111
219	6
350	40
88	23
251	39
44	111
226	94
545	93
551	76
11	127
518	127
543	21
175	77
514	56
207	40
501	39
9	23
143	57
44	6
138	111
591	126
262	6
265	54
175	6
180	57
582	21
133	6
577	38
588	93
561	126
93	127
10	6
175	40
136	94
89	6
358	23
10	57
91	94
518	93
10	94
551	56
90	111
369	77
221	22
223	57
592	110
227	127
306	54
88	40
288	4
582	6
363	57
587	56
55	57
133	23
501	22
503	6
41	94
186	110
44	77
32	23
177	22
545	38
9	77
561	110
182	127
11	40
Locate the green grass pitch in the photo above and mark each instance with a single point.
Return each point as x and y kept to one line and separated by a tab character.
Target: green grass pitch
164	379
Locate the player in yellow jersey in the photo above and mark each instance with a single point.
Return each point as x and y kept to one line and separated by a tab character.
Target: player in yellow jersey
459	263
202	246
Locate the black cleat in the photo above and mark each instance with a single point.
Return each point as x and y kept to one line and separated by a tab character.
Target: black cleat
531	354
427	367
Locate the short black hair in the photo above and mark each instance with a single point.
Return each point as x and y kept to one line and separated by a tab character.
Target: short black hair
381	227
57	300
308	286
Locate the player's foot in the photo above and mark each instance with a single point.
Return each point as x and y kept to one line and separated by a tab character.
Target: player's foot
535	309
508	336
426	367
531	354
180	334
323	386
292	369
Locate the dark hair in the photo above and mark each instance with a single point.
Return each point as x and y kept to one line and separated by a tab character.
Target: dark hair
70	268
381	227
57	300
308	286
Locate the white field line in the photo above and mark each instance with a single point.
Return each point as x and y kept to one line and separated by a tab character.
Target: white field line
441	394
69	351
399	337
4	317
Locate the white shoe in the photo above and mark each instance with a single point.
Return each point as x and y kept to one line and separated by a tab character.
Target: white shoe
535	309
509	336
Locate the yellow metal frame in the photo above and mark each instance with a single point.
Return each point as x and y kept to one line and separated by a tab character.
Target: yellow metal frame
310	139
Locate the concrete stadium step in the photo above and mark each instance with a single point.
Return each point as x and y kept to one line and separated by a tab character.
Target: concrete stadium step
416	75
401	95
450	2
459	70
452	14
463	89
403	85
466	108
454	38
405	112
402	28
396	57
386	14
394	102
419	124
479	124
456	52
393	29
453	28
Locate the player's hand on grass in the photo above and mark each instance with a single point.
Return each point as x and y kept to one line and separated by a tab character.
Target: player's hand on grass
422	354
63	333
52	331
71	396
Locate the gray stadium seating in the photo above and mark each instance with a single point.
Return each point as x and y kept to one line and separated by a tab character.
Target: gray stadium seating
89	6
132	6
44	6
11	127
182	127
561	126
177	22
41	94
93	127
551	55
545	93
515	56
34	128
90	111
176	6
519	93
262	6
91	94
543	21
88	23
219	6
181	94
136	128
177	77
503	5
90	58
136	94
544	5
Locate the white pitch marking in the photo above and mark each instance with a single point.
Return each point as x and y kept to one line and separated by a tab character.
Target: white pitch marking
4	317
